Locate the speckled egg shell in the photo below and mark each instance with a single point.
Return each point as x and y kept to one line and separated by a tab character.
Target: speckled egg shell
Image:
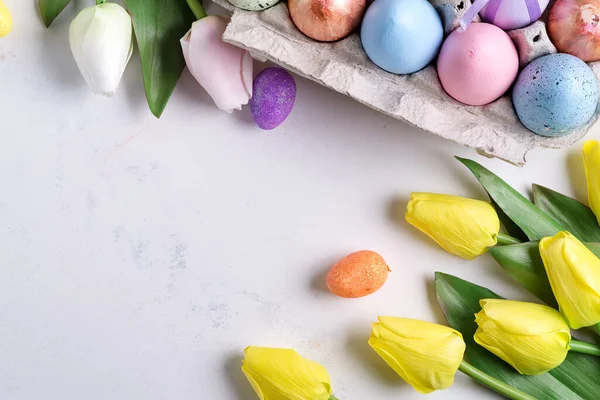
513	14
254	5
555	95
274	93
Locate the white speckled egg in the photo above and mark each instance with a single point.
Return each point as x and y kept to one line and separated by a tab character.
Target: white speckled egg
253	5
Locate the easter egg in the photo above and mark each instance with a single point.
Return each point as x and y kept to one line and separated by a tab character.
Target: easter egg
358	274
401	36
274	93
513	14
573	27
478	65
327	20
555	95
253	5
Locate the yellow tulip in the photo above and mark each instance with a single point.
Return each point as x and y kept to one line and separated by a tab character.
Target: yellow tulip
282	374
425	355
591	160
464	227
574	275
6	22
533	338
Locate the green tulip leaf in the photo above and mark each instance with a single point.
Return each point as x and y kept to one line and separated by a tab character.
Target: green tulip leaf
534	222
575	378
158	26
576	217
524	264
511	228
50	9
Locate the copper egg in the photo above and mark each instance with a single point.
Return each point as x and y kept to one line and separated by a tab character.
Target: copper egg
327	20
574	28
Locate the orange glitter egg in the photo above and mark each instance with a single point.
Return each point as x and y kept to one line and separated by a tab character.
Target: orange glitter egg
358	274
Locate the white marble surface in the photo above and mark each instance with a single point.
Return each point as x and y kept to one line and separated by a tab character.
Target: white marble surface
140	256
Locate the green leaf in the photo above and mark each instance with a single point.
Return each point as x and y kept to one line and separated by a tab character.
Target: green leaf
534	222
524	264
50	9
577	218
576	378
158	26
511	228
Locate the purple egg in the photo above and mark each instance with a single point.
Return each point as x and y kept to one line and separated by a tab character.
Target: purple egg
274	92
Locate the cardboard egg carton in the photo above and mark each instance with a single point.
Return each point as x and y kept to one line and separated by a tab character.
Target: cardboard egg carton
492	130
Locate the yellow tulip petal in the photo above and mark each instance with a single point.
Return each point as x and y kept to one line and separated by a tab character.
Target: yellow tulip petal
396	366
464	227
508	315
591	160
414	328
574	275
425	355
6	22
252	381
320	373
282	374
533	338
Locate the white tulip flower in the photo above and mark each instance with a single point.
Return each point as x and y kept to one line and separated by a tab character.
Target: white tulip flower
101	40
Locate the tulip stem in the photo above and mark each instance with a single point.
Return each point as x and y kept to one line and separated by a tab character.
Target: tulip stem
98	2
597	328
504	239
493	383
332	397
197	9
583	347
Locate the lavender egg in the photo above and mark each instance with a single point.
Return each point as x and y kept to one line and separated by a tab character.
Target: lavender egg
274	92
513	14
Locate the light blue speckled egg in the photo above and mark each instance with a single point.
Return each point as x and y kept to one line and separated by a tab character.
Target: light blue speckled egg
401	36
556	94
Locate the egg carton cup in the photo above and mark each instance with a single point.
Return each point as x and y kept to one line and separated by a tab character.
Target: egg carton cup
493	130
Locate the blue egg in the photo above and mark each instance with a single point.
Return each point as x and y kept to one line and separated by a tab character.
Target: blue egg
401	36
555	95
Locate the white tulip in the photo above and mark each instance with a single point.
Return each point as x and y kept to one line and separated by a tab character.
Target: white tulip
101	40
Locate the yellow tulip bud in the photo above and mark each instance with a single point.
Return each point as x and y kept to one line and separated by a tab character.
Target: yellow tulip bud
574	275
533	338
425	355
6	22
282	374
591	160
464	227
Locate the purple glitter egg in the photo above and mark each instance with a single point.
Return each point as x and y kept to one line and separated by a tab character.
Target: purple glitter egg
274	92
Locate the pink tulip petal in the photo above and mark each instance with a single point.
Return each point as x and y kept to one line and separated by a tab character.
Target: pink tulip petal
185	47
225	71
247	62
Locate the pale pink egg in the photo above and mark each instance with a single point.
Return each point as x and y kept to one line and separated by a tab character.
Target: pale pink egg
479	65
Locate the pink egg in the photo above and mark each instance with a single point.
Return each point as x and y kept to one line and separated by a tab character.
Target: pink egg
479	65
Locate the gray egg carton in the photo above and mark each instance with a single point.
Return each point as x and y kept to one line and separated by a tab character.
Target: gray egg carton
418	99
